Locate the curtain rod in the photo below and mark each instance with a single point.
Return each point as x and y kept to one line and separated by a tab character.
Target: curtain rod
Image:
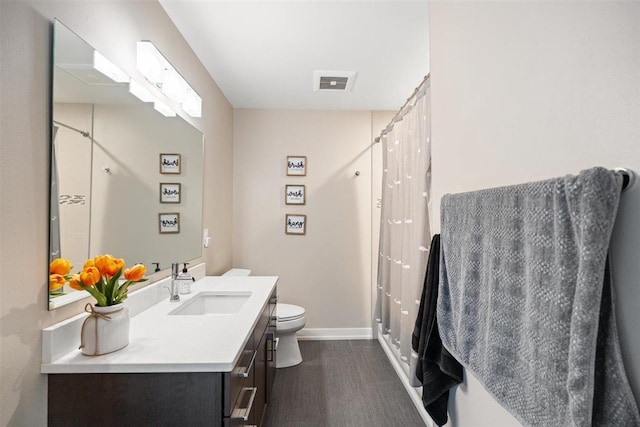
401	111
84	133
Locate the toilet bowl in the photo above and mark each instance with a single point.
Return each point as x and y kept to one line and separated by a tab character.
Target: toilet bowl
290	319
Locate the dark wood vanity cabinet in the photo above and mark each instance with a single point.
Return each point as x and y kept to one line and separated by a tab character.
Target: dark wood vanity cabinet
255	392
264	336
236	398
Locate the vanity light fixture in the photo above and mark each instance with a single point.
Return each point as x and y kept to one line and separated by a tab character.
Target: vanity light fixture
106	67
140	92
157	70
192	103
173	85
150	62
163	109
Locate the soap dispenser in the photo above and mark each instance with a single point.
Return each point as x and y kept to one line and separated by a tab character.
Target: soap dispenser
184	280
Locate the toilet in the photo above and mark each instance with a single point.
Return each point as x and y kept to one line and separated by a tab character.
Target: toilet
290	319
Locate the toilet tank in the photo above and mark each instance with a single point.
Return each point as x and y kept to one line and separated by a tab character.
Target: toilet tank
238	272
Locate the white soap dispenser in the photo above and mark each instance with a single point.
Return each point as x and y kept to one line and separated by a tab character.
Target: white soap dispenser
184	280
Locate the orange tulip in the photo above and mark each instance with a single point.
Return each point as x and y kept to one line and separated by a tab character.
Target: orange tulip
90	276
60	266
115	265
88	263
56	281
102	262
74	282
135	273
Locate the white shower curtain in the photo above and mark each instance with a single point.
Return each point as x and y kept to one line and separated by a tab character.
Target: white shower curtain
404	224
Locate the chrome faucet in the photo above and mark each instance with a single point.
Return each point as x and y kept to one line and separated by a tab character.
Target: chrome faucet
174	288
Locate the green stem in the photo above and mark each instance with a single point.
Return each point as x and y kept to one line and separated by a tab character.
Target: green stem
101	299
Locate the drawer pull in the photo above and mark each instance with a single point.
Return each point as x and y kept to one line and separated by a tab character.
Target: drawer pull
245	374
273	321
273	300
243	413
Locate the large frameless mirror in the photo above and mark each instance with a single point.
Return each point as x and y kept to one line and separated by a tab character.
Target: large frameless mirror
125	179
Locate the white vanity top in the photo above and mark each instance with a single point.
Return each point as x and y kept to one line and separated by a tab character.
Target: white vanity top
165	343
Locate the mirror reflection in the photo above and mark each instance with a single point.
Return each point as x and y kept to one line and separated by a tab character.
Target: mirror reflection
111	190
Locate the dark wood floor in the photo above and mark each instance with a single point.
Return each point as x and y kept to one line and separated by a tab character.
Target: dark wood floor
341	384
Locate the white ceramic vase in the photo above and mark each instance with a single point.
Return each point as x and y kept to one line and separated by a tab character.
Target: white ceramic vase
105	330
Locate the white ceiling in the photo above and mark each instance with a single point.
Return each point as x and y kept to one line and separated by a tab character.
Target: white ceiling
262	54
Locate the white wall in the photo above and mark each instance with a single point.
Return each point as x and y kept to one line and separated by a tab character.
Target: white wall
524	91
73	159
327	271
112	27
128	140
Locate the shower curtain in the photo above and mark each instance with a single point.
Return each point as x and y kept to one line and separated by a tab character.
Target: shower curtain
404	224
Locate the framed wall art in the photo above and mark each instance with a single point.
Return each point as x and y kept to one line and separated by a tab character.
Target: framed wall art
170	192
170	163
296	165
169	222
295	224
294	194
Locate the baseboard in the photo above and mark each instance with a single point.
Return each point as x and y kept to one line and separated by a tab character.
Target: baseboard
320	334
414	393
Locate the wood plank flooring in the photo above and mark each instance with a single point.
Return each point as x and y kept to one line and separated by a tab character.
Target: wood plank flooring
341	384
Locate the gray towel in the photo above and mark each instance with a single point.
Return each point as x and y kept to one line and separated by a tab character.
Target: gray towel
521	303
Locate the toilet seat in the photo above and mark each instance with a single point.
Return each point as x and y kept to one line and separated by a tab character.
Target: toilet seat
289	312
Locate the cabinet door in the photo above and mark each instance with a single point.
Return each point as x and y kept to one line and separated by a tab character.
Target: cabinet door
140	399
270	367
261	396
270	333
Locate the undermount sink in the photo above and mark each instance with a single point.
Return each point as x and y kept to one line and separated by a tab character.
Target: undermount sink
212	303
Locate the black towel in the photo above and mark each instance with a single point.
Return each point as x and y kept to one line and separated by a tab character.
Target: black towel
437	369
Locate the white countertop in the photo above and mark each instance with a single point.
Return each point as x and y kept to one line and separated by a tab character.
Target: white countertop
163	343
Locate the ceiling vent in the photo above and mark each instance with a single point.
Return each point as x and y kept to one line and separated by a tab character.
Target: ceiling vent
333	81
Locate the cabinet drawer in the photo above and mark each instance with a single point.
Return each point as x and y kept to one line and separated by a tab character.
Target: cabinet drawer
240	377
267	317
273	300
263	322
243	412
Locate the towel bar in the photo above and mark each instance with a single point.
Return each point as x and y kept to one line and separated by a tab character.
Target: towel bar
628	177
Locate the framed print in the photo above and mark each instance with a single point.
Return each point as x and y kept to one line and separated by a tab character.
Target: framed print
169	222
296	165
170	163
294	194
296	224
170	192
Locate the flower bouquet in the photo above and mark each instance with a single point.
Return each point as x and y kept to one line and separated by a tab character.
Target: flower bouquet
106	329
100	276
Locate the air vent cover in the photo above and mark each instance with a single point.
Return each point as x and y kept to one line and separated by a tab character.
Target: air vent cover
334	81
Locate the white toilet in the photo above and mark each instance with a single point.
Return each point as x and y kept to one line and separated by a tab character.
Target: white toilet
290	319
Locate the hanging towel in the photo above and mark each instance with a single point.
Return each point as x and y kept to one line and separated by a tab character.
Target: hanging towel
436	369
525	301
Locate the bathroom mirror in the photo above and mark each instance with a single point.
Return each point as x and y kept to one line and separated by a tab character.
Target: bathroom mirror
108	184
